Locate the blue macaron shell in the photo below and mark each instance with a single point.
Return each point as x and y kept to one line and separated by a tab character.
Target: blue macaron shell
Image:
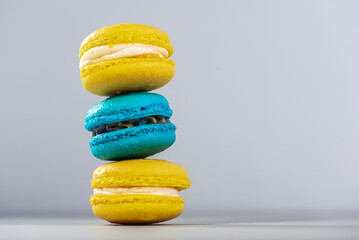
135	142
126	107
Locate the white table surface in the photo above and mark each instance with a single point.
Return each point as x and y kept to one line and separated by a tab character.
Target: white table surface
188	226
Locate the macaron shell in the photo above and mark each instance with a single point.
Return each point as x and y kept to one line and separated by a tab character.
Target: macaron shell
127	107
118	76
141	173
135	142
136	208
126	33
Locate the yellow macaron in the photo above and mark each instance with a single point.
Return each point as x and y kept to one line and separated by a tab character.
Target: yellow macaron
140	191
125	58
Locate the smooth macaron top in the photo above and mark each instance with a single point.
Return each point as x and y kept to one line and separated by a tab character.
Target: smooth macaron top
141	173
127	107
126	33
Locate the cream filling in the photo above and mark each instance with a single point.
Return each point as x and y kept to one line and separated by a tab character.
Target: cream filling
164	191
101	53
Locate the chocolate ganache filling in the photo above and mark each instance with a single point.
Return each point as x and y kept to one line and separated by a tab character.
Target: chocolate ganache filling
129	123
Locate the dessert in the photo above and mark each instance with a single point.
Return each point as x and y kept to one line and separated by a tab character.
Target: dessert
140	191
134	125
125	58
124	61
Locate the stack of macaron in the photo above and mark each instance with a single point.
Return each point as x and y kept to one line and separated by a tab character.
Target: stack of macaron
124	62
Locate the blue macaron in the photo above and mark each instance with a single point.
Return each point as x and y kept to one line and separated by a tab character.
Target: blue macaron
134	125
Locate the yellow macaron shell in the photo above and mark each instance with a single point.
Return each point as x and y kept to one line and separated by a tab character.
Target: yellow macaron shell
116	76
126	33
113	77
138	208
141	173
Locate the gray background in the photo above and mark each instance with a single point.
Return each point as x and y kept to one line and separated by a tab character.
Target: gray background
265	98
